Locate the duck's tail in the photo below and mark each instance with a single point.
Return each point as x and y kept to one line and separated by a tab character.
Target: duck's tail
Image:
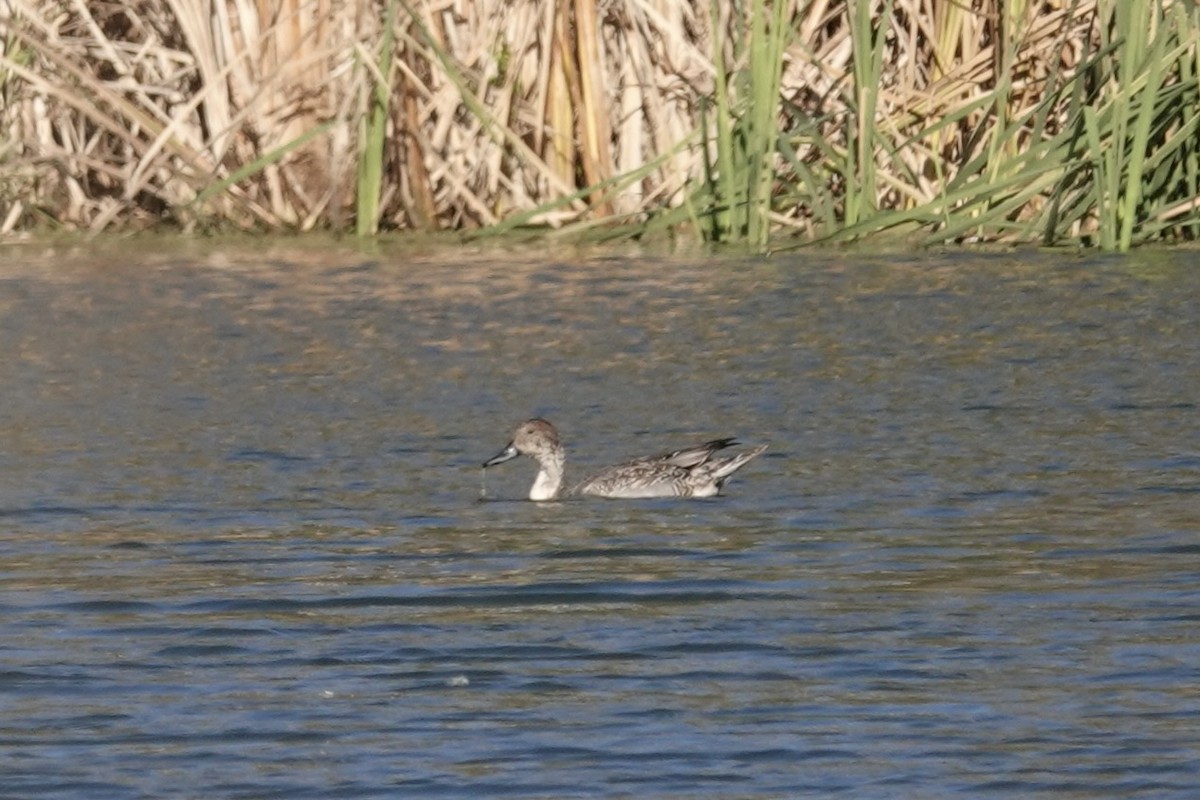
720	469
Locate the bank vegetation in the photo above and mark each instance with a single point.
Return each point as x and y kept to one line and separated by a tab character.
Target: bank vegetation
755	122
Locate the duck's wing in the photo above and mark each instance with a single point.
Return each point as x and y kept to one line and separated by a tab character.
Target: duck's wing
644	478
693	456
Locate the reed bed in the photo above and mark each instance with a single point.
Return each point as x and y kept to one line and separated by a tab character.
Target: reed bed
766	123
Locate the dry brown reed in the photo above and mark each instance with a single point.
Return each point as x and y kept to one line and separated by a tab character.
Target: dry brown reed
252	113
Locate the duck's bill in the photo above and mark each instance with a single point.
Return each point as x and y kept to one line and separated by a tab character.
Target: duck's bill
507	454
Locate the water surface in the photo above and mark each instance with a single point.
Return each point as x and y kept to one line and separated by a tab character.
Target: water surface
246	549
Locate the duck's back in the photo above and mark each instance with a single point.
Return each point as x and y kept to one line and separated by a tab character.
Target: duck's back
647	478
691	472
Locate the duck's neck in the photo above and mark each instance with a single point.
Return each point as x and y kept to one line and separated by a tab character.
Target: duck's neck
549	478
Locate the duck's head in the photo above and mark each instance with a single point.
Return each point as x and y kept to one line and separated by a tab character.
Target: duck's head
533	437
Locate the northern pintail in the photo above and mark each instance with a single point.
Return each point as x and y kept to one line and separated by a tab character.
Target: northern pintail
690	472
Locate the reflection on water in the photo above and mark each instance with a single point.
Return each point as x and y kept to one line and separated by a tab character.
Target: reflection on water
243	546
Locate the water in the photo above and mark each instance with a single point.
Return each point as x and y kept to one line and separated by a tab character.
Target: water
244	552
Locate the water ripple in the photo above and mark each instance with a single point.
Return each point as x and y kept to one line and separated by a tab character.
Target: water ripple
244	551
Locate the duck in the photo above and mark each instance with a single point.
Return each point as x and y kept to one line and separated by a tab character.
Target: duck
689	472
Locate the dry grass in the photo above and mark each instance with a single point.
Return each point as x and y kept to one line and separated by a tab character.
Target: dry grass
259	113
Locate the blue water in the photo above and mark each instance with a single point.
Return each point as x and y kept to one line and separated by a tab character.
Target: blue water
246	549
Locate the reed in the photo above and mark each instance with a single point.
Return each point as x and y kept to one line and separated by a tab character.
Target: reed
743	129
374	130
766	124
